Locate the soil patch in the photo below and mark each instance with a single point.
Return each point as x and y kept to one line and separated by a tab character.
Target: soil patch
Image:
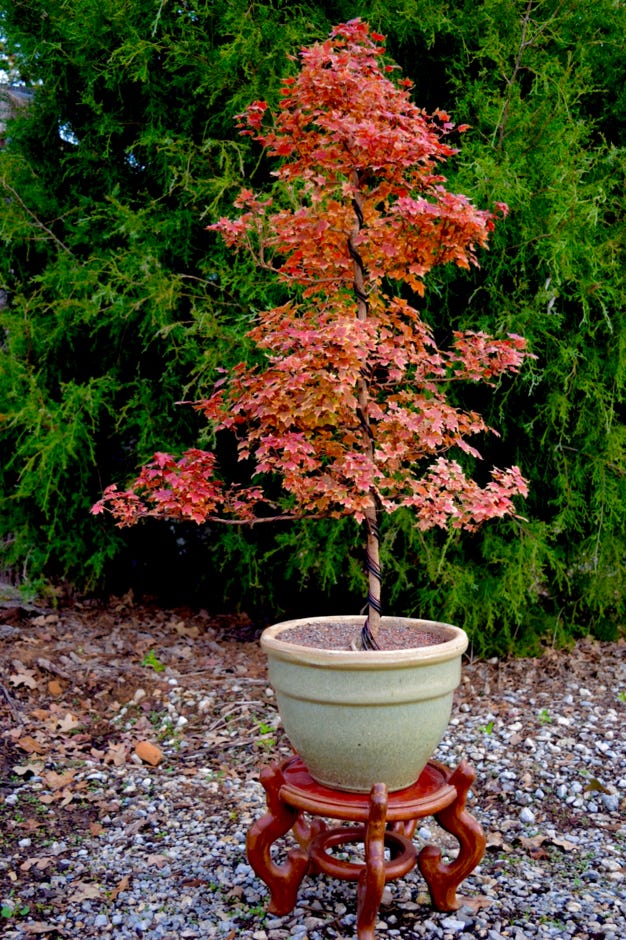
395	634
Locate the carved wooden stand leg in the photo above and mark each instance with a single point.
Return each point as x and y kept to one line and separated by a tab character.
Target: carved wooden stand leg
443	879
372	877
283	880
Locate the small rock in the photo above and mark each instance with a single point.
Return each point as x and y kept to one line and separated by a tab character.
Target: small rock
527	816
149	753
611	802
451	923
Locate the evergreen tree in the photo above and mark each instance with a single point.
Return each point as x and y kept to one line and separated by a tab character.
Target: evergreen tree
543	85
113	284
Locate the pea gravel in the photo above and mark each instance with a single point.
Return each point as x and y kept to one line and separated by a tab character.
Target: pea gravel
168	862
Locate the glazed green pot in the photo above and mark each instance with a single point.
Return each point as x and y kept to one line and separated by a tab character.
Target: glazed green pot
359	718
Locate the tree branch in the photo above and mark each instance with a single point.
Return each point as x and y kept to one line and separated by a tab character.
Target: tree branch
36	220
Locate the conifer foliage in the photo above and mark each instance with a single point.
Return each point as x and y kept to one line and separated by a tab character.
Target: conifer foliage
350	409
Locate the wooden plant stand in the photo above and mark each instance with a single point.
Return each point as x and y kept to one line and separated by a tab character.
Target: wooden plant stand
384	820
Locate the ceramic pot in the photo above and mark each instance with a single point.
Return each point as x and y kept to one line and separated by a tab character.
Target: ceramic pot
359	718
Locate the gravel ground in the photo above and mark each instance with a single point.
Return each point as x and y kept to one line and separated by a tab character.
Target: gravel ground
163	856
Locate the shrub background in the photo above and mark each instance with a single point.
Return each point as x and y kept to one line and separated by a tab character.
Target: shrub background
117	303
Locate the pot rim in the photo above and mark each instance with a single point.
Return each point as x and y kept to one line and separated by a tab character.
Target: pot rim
450	648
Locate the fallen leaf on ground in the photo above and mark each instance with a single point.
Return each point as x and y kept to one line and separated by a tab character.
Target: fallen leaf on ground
157	860
57	781
116	755
44	619
119	887
26	678
534	844
30	745
41	713
563	843
32	767
85	891
495	840
539	853
38	927
477	903
68	723
183	630
40	863
31	824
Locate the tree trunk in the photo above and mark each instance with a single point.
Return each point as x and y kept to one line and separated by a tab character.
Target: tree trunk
368	638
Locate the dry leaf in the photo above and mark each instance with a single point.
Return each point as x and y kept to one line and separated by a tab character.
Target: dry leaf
563	843
120	886
149	753
42	620
30	745
96	828
57	781
40	863
68	723
38	927
477	903
534	845
85	892
598	786
183	630
157	860
532	842
41	713
55	688
116	755
27	678
495	840
32	767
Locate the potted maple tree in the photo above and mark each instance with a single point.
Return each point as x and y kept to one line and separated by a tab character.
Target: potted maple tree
349	410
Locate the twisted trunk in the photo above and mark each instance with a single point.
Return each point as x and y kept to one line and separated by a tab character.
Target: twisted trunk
368	638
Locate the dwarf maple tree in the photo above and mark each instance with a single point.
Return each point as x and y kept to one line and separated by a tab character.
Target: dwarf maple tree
349	409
